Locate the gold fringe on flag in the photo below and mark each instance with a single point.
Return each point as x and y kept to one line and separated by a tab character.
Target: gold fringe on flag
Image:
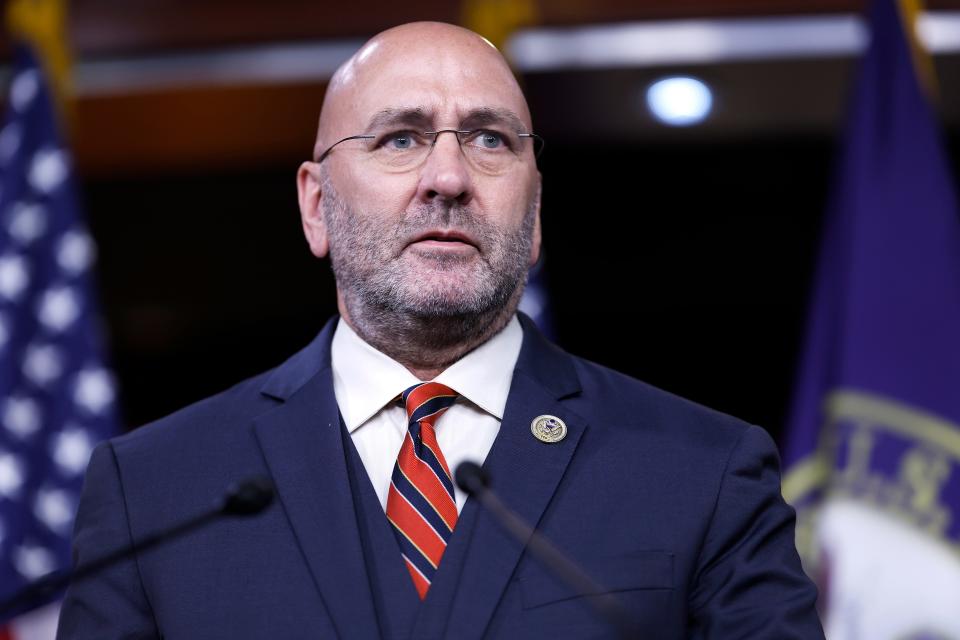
42	24
496	20
910	11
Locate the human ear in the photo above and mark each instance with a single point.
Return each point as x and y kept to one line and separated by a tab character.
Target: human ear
535	244
310	196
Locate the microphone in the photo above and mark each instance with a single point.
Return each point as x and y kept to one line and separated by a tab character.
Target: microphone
247	498
475	481
471	478
243	499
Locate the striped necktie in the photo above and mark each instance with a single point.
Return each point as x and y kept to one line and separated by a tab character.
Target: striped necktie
421	505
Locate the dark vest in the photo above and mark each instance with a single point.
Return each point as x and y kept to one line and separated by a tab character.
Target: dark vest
400	613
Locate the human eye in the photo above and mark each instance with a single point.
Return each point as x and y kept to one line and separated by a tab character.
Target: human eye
489	140
399	140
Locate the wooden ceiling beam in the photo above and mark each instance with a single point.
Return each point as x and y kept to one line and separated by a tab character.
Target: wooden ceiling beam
196	129
115	27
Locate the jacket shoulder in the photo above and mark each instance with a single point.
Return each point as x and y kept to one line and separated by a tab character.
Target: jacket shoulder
616	398
218	416
212	415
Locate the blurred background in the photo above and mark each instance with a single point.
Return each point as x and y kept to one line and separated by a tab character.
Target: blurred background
678	254
692	147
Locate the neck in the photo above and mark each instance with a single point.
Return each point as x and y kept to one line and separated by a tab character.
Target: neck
425	346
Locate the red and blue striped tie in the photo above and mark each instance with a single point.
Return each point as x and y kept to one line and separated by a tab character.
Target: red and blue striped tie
421	504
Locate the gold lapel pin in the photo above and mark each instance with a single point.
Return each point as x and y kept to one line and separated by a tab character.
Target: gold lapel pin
548	429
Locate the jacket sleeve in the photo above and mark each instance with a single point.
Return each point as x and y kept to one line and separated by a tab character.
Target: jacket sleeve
749	581
111	603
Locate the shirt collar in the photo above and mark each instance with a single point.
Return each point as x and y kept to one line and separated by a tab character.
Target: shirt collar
365	380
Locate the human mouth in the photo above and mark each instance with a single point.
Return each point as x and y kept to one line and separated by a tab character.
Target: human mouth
444	240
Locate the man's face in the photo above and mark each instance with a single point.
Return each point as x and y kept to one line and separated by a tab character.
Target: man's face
443	238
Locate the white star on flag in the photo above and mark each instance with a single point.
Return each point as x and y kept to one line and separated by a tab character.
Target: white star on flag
48	170
75	252
55	509
11	475
14	276
71	449
27	222
33	561
94	390
24	89
21	416
58	308
42	364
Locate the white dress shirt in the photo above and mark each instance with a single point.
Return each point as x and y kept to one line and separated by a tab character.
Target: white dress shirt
366	382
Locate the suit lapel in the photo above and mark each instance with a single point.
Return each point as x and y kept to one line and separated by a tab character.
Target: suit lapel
303	446
525	473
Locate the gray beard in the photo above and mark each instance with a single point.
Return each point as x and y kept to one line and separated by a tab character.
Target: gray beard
419	321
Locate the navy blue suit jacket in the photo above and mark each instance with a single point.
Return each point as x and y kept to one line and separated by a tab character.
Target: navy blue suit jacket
674	507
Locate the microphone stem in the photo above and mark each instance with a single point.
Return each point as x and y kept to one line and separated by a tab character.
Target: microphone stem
606	604
53	582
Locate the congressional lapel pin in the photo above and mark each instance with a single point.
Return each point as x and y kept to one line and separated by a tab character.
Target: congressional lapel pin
548	429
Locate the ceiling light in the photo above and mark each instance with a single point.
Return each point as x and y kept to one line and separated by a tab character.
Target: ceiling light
679	101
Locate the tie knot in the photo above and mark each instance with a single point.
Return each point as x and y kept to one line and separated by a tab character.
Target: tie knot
428	399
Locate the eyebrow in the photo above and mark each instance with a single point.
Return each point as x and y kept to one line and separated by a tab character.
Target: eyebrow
405	116
487	115
419	116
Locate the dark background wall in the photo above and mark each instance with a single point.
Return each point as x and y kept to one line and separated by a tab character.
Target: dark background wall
680	257
686	264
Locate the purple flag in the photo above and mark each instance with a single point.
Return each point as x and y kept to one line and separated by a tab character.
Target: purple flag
873	448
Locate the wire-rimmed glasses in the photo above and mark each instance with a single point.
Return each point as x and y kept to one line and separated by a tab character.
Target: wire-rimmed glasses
491	151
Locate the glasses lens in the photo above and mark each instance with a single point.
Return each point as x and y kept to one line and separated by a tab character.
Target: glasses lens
493	151
400	150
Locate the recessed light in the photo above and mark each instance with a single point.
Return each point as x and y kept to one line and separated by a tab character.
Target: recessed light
679	101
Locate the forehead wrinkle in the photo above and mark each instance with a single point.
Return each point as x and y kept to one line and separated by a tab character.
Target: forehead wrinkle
425	117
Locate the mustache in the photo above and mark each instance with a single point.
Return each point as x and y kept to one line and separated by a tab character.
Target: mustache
455	218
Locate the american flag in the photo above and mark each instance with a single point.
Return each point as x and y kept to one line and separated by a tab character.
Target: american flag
56	396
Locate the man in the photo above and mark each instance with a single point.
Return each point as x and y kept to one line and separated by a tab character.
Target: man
425	193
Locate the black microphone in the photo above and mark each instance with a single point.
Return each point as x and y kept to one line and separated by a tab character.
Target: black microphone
475	481
246	498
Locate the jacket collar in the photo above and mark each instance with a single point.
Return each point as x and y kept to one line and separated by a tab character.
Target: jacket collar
539	358
299	368
303	445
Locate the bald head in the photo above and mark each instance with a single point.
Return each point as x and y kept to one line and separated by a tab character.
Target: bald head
430	237
428	66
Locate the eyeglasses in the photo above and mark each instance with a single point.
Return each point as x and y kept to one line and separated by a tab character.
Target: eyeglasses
490	151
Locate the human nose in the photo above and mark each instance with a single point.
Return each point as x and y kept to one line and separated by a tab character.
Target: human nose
445	174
